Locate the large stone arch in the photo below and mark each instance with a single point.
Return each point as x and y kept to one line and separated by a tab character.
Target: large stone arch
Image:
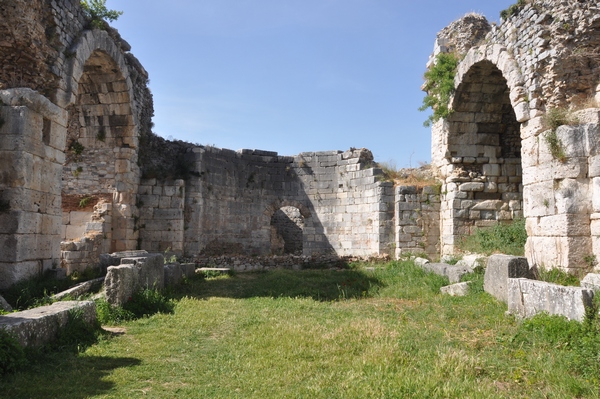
102	137
479	145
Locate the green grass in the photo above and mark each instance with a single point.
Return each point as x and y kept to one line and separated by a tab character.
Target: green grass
505	238
352	333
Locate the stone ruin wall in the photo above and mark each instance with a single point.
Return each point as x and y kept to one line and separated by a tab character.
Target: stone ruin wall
228	203
492	151
55	86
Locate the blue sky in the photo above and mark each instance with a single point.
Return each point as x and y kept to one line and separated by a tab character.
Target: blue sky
292	75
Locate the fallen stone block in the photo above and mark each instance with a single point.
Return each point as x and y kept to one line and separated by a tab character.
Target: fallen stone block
40	326
5	305
437	268
591	281
188	269
459	289
456	272
471	261
420	261
80	289
134	274
114	259
497	272
526	298
151	270
173	274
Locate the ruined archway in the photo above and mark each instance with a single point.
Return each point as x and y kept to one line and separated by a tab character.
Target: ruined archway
287	225
482	154
101	145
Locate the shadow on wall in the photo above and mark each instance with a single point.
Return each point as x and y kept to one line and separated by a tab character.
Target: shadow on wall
287	225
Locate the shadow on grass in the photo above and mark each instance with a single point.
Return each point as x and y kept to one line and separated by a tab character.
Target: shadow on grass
65	376
320	285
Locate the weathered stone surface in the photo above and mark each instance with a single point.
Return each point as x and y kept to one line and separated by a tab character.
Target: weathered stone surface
39	326
591	281
80	289
173	274
456	272
420	261
526	298
458	289
5	305
134	274
497	272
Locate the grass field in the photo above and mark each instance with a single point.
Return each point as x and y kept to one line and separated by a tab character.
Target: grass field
356	333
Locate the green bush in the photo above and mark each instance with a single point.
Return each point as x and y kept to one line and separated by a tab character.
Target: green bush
96	10
12	355
508	238
439	85
513	9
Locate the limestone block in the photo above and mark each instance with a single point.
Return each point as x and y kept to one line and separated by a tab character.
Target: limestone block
538	199
456	272
565	252
526	298
39	326
594	166
437	268
522	111
499	269
420	261
571	196
572	140
150	270
458	289
173	274
188	269
472	186
121	283
596	194
489	205
5	305
591	281
559	225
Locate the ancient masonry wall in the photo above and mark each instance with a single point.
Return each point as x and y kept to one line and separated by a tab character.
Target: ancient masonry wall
89	88
417	220
232	196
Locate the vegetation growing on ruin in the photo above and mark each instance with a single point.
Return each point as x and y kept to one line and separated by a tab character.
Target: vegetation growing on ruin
375	330
553	119
97	11
439	85
513	9
505	238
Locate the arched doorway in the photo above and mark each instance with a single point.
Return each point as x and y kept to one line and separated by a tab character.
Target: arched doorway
101	158
287	226
484	186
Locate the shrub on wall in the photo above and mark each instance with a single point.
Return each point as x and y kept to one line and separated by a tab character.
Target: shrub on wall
439	85
97	12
